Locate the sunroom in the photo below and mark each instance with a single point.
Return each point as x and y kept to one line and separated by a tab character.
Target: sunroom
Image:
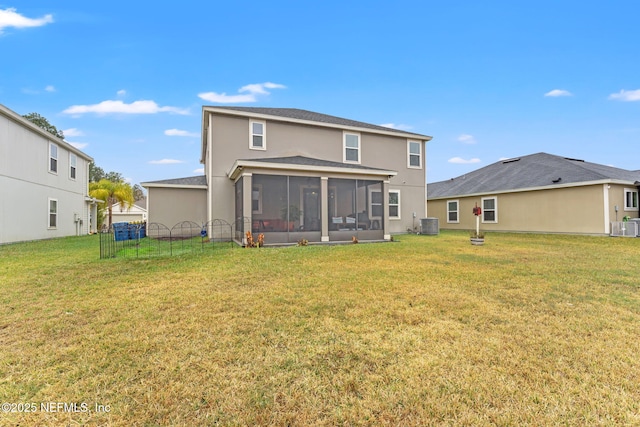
289	199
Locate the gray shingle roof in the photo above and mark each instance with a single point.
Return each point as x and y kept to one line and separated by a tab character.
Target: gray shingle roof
535	170
308	161
191	180
295	113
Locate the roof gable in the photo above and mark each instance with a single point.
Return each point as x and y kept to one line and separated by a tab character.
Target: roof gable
12	115
532	171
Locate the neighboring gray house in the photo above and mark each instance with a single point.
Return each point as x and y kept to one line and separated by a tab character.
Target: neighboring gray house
294	174
537	193
44	183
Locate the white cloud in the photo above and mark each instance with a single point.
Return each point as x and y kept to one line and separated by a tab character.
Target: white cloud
259	88
79	145
253	90
461	161
29	91
558	92
178	132
11	18
119	107
626	95
396	126
72	132
121	92
467	139
165	162
200	171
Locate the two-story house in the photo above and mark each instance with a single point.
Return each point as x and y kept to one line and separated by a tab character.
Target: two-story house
295	174
44	183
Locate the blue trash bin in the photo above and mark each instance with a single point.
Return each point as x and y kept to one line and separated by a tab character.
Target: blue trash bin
121	231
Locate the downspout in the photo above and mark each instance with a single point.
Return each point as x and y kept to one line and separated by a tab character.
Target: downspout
637	184
607	224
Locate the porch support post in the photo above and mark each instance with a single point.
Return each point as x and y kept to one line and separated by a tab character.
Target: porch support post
385	210
324	208
247	211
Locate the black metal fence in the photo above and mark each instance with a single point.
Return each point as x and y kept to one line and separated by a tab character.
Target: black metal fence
142	240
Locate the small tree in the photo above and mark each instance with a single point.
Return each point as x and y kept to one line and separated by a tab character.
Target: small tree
43	123
111	192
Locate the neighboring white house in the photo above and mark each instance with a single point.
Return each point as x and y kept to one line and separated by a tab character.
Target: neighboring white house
137	212
44	183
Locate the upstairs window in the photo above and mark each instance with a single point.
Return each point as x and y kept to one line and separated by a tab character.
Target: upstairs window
258	140
630	199
73	165
53	157
351	146
452	211
414	155
490	209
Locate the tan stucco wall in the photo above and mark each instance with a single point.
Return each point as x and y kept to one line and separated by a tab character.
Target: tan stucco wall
230	141
170	206
560	210
616	198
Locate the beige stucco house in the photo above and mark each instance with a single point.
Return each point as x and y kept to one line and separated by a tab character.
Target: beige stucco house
537	193
44	183
294	174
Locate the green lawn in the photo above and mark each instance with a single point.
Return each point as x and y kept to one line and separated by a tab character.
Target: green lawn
428	330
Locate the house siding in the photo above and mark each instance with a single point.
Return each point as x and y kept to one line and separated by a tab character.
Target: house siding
26	185
170	206
229	141
577	210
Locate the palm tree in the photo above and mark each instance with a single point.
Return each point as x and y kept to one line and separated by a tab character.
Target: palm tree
112	192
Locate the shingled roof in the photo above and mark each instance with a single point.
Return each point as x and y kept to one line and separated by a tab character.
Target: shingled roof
532	171
298	114
188	181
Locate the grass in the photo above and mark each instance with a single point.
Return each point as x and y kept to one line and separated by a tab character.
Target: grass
525	330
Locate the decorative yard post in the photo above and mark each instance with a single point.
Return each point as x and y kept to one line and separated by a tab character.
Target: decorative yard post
477	238
477	211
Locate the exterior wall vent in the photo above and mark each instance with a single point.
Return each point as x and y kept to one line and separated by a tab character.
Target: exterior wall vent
504	162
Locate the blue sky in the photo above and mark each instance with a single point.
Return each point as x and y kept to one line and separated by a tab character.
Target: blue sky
126	81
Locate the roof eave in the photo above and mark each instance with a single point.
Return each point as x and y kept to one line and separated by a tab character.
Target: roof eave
224	111
539	188
26	123
239	165
161	185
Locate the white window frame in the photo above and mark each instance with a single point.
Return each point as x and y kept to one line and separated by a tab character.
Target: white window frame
495	209
50	212
53	157
631	191
371	204
73	166
457	211
263	135
258	189
398	205
409	154
344	147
